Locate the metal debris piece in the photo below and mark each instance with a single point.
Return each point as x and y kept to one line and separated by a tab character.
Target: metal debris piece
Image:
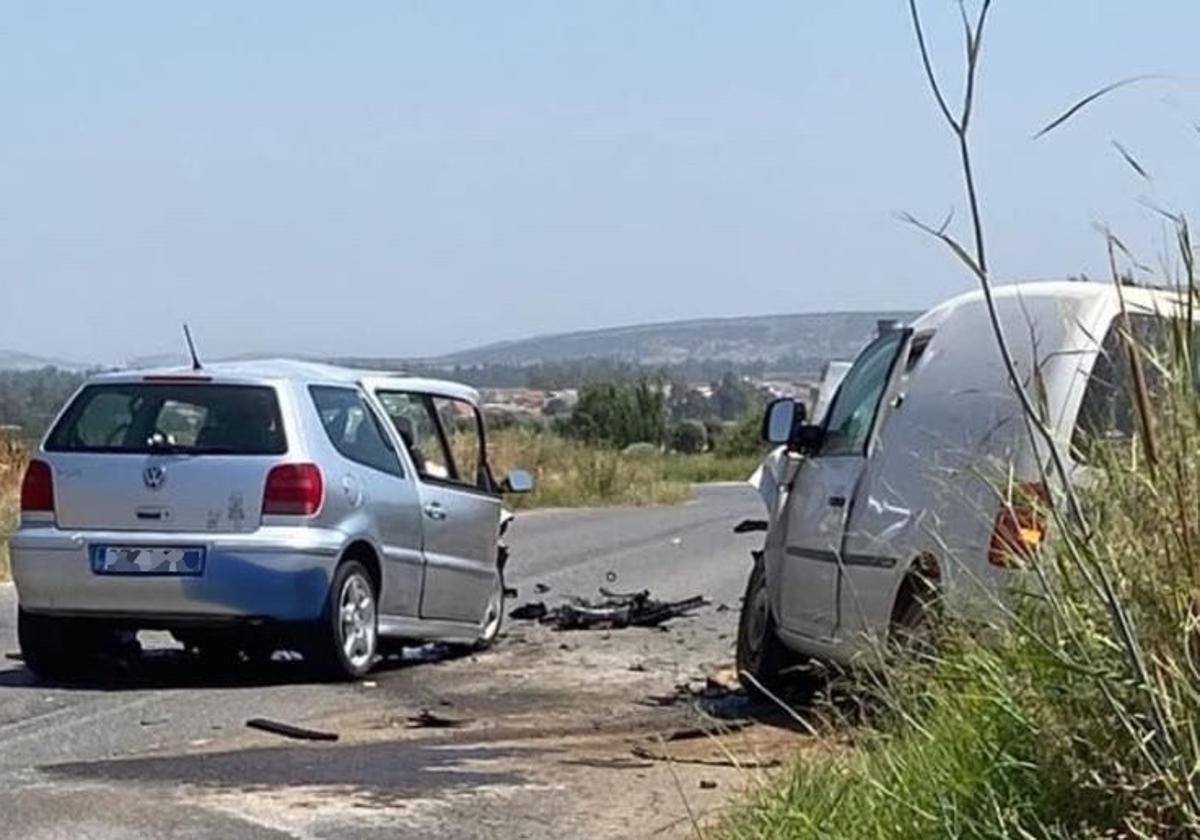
425	719
613	611
533	611
287	730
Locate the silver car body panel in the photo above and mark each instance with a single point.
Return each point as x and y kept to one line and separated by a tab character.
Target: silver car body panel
263	567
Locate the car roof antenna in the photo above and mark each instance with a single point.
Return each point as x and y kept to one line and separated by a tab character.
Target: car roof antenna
187	333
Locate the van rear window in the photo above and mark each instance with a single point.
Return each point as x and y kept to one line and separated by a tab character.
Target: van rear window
199	419
1107	409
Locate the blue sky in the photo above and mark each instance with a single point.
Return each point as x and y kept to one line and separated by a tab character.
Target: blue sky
405	178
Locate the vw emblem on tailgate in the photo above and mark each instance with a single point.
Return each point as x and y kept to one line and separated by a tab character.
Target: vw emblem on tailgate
154	477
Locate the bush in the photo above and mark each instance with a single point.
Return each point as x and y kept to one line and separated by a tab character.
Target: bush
742	439
689	437
619	413
641	451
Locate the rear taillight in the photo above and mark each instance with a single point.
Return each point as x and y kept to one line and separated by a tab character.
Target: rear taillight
1020	526
293	490
37	489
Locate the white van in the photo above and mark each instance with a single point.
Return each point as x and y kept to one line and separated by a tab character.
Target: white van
897	494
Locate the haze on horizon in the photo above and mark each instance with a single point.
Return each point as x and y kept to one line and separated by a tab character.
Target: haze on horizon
410	179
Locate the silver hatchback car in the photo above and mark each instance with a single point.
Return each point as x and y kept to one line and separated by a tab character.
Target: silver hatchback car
256	505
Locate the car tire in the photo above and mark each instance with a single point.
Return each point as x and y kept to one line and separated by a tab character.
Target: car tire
55	648
346	639
762	658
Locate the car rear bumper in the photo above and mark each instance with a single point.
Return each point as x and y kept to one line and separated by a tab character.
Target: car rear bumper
273	574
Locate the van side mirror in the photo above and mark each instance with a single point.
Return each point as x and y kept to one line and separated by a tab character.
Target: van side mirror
517	481
783	425
781	419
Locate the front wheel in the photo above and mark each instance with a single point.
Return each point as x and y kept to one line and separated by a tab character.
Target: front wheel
761	657
347	637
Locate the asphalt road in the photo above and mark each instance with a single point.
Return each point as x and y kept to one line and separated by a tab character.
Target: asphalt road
540	746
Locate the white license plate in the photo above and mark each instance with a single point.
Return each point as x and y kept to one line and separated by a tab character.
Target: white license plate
147	560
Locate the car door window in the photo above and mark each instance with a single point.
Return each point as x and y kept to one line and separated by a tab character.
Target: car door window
353	428
852	414
464	434
414	418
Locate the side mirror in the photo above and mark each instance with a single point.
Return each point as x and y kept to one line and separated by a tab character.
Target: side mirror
517	481
784	425
783	417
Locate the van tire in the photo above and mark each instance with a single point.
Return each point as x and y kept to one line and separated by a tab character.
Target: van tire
762	658
913	631
54	648
327	647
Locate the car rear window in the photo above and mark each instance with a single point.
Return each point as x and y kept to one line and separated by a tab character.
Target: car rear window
192	419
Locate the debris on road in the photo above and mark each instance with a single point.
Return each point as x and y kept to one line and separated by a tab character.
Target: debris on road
723	680
533	611
287	730
715	755
425	719
690	732
541	588
613	611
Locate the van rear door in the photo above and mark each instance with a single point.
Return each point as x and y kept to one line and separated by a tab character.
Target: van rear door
165	454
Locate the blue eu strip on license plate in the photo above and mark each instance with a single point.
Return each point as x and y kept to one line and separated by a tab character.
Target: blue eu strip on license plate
147	560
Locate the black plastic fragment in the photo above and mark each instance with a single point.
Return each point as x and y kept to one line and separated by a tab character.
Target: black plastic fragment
287	730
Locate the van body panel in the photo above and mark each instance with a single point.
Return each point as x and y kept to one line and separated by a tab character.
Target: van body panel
949	436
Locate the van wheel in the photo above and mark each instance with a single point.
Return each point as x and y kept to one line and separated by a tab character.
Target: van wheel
760	653
55	648
913	632
347	636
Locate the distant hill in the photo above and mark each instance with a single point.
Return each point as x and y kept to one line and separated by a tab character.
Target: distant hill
13	360
792	341
783	343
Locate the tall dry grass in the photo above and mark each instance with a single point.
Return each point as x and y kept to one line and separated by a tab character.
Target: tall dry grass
571	473
12	465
